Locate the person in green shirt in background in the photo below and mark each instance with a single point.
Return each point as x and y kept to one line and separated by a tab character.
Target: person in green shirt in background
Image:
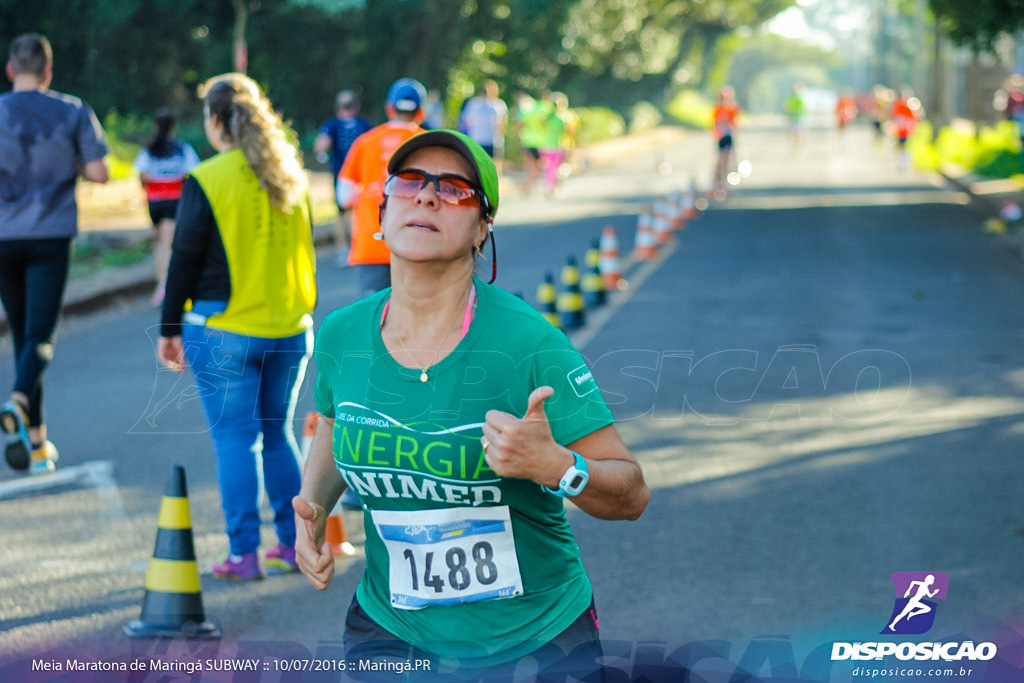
463	420
796	108
531	123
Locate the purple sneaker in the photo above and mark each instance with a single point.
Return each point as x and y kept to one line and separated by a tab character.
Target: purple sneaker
282	558
239	568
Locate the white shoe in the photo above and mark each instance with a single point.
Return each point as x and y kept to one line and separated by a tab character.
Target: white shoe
44	459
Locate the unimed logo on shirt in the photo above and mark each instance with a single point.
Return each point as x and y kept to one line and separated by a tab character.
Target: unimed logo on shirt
581	380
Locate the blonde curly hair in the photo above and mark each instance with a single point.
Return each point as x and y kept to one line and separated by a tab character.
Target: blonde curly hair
250	122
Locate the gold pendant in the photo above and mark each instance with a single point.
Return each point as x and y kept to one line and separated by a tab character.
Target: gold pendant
423	375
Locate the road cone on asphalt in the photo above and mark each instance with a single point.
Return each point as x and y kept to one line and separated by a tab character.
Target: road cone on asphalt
334	532
570	300
611	268
676	218
546	300
173	603
593	283
308	430
690	201
646	245
660	222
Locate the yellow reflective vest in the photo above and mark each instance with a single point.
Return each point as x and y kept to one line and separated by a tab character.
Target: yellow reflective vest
270	253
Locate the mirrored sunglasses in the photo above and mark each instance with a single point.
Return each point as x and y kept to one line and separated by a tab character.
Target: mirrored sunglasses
452	189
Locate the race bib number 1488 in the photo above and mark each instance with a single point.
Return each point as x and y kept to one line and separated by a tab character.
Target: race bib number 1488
447	557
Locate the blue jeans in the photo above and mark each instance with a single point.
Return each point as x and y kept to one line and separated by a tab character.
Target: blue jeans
249	387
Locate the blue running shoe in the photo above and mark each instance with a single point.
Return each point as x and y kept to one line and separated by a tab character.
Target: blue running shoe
14	423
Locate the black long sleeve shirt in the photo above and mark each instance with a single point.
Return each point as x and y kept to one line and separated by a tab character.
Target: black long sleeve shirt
199	263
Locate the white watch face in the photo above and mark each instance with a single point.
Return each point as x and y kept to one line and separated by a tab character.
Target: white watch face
574	480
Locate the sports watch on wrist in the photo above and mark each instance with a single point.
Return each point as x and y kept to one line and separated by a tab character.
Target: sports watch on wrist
574	479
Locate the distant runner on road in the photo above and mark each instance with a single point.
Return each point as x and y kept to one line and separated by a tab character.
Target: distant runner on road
47	140
334	141
361	182
725	118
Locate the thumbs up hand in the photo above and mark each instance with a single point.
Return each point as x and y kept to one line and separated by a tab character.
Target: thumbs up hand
524	448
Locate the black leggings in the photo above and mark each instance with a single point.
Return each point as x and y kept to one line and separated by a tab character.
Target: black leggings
33	274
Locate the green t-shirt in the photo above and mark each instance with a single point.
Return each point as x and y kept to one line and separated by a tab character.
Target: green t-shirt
476	566
795	107
535	133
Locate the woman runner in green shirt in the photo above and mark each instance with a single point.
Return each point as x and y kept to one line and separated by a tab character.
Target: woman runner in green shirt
462	419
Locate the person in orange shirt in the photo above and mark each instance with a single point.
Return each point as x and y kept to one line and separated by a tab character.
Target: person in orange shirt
905	112
360	183
725	115
846	111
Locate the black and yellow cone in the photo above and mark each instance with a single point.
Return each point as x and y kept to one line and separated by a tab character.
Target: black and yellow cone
571	312
546	294
173	604
593	283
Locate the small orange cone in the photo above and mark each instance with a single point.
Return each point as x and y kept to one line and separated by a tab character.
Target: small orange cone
611	269
660	223
173	602
334	533
308	430
676	218
646	245
695	201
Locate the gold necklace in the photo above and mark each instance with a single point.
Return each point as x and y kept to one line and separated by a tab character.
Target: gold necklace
423	371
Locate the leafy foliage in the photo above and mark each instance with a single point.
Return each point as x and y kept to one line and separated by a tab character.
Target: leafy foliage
133	56
979	23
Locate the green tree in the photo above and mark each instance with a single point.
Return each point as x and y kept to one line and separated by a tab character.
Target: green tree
132	56
977	24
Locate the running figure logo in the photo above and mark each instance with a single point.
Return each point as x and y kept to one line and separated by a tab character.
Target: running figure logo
914	612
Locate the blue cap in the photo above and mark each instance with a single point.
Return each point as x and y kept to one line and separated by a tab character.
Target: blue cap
406	94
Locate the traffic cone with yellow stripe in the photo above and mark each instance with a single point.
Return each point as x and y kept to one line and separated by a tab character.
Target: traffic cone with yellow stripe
571	312
173	603
593	284
546	300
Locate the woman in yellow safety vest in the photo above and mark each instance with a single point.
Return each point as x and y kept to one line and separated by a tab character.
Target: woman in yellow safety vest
240	292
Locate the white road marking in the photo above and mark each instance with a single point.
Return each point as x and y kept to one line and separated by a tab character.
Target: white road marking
96	474
600	316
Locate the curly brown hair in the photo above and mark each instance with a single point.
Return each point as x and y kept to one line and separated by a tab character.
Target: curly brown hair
251	123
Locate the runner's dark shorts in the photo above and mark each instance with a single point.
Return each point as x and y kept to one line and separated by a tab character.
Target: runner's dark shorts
163	209
576	652
725	142
533	152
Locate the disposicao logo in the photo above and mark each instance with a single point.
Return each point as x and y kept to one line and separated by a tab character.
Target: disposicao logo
913	613
916	595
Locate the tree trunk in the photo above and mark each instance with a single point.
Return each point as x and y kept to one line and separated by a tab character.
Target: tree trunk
973	76
241	51
937	110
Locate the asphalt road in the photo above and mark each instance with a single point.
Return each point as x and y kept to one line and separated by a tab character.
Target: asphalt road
821	377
